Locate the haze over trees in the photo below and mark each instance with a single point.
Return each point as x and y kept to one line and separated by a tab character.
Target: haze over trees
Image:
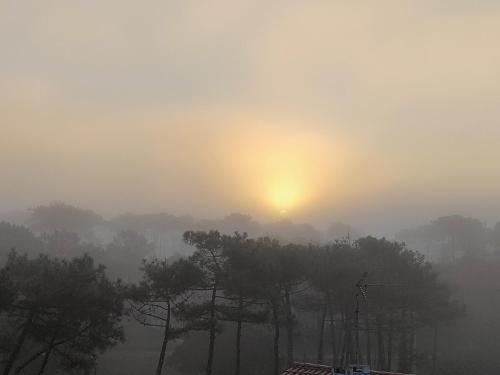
451	237
63	217
235	304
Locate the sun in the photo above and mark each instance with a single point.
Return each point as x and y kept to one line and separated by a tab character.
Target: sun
283	213
284	196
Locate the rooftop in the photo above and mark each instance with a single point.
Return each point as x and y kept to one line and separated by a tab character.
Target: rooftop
307	369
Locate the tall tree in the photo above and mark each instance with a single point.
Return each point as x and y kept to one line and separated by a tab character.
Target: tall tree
210	259
292	278
332	271
282	270
65	308
242	290
271	287
164	287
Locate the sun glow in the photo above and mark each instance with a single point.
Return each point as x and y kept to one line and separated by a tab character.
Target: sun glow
284	195
288	177
285	174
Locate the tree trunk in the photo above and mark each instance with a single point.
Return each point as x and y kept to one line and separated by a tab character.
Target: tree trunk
347	339
18	345
36	355
22	366
403	345
434	349
389	344
276	339
238	337
342	346
411	344
358	358
211	344
368	336
332	333
289	328
159	367
48	352
380	343
321	334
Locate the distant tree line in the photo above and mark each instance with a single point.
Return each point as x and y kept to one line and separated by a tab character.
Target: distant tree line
444	239
165	230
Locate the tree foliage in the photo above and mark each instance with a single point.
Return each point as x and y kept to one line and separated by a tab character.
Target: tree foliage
363	301
66	309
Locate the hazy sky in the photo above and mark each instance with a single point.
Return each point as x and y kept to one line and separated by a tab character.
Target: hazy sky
380	113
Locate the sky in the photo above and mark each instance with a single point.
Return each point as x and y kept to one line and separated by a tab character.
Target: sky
384	114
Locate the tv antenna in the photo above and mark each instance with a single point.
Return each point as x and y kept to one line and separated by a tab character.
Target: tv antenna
362	287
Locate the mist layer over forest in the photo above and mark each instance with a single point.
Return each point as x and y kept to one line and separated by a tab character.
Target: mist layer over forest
423	301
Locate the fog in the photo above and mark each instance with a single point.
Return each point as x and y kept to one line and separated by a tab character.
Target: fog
280	157
382	114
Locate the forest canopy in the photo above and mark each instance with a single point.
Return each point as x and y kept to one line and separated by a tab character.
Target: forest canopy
347	301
